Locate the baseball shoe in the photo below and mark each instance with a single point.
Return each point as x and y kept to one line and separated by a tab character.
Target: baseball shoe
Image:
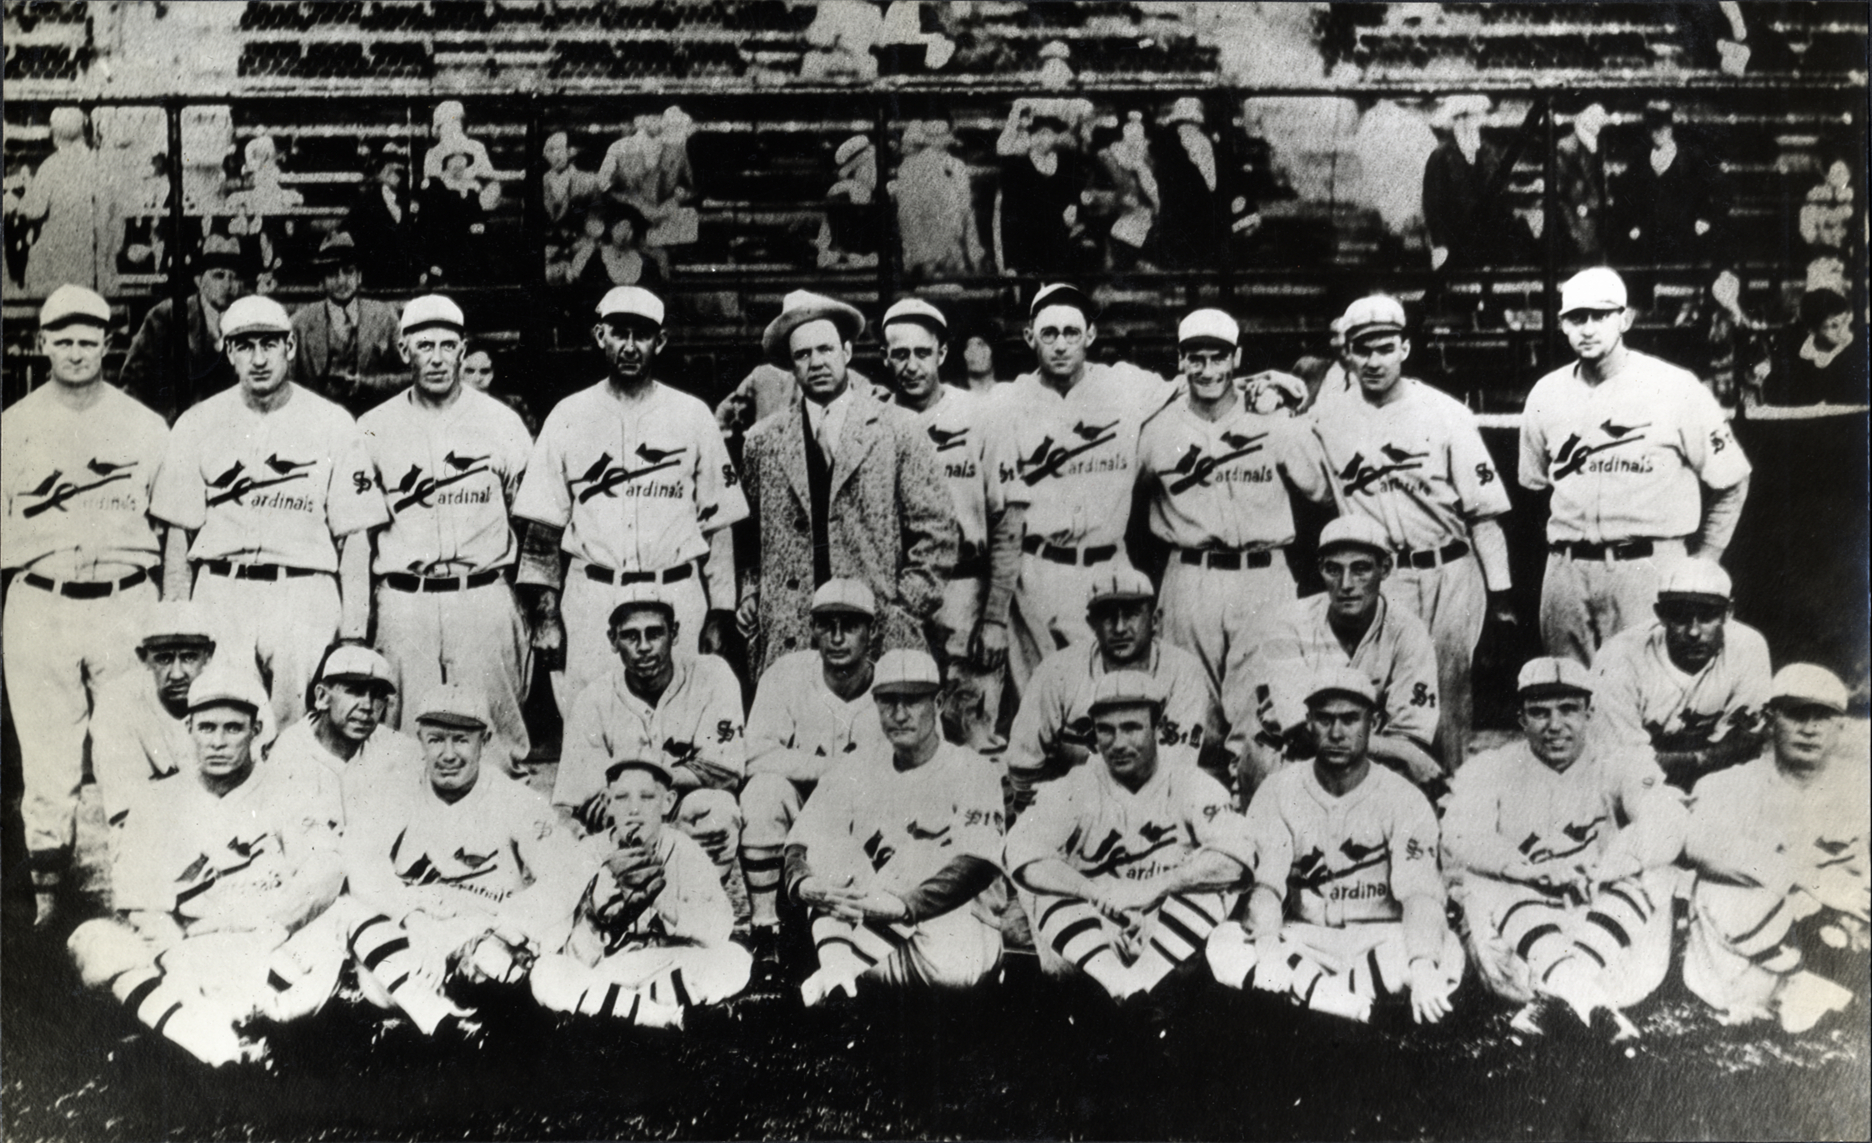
766	980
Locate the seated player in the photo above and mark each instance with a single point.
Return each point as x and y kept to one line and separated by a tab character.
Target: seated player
1347	905
650	934
343	732
1689	686
458	880
1350	624
1560	849
139	731
810	709
897	854
1778	915
1127	863
1052	730
654	703
215	871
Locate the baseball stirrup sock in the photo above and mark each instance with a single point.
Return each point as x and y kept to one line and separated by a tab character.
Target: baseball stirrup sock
381	948
185	1020
1316	989
761	864
1076	931
856	949
1616	918
1180	928
1534	928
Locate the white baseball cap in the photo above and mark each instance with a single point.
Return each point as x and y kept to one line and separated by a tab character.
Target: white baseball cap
1804	684
1594	288
631	301
1545	676
453	705
636	595
1369	314
1343	682
1354	531
223	683
431	309
1208	325
916	310
70	303
1118	583
357	664
174	620
1692	578
844	595
1125	688
655	763
1062	294
905	672
255	314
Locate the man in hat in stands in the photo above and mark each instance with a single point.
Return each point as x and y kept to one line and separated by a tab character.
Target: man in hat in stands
347	344
149	367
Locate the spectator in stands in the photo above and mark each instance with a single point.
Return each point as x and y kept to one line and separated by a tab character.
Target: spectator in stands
379	222
1580	188
478	372
261	211
564	189
620	259
848	234
649	171
68	197
1041	180
1188	180
935	204
149	367
452	138
347	344
978	364
1464	206
454	223
1130	183
1826	228
1667	197
841	37
1821	363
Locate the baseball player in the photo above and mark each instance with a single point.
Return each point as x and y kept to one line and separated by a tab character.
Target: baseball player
1778	915
1690	686
684	710
449	460
898	856
345	734
1642	466
211	876
1347	905
1412	459
958	423
139	733
1220	475
77	459
811	709
631	480
1127	864
269	494
650	935
1052	730
1065	461
462	881
1559	849
1351	624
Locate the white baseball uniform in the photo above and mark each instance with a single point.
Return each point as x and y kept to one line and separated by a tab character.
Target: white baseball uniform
1104	831
1418	467
1642	699
445	611
1070	462
134	741
1610	807
796	729
385	765
893	830
75	530
1053	727
1627	460
1219	496
269	496
638	486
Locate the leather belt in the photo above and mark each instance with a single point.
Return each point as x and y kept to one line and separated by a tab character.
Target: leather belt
1616	550
268	572
402	581
1077	557
620	578
79	589
1433	557
1226	561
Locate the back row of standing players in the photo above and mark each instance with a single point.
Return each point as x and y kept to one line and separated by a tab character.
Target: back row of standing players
271	505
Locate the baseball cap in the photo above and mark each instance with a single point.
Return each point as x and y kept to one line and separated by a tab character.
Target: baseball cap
1355	532
631	301
917	310
254	314
905	673
1594	288
69	303
222	683
1119	583
1343	682
452	705
1804	684
1125	688
1695	579
1372	314
358	665
844	595
642	595
1062	294
1550	676
176	621
1208	325
656	764
428	310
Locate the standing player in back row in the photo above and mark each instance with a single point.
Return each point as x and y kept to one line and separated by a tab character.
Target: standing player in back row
1642	466
449	459
1411	458
631	480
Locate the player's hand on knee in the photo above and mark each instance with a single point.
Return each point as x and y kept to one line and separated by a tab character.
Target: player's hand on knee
1429	991
988	644
1133	897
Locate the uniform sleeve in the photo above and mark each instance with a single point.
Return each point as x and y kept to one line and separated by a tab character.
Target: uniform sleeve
979	822
1533	464
1709	446
1271	838
1045	828
1037	721
1472	837
1213	819
1303	460
1003	452
1411	700
1656	817
720	500
1277	675
1413	843
721	736
1749	694
693	905
550	854
585	755
1618	701
827	815
117	758
354	502
180	496
138	881
1192	709
517	448
544	495
1472	469
771	727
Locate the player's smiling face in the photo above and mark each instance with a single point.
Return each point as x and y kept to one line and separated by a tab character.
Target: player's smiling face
175	664
1693	631
820	357
75	351
1593	334
434	354
1555	726
915	358
1378	360
639	803
1060	337
353	708
1127	741
630	345
262	361
224	734
643	639
1209	367
1123	628
1341	728
843	638
1354	577
451	756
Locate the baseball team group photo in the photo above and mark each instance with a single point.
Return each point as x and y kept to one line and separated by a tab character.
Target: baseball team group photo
585	569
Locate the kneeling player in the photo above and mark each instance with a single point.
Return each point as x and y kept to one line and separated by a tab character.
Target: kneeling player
1560	853
1347	906
897	854
1778	923
213	873
650	935
1127	864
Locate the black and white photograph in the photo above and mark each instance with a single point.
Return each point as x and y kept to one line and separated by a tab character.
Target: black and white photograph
935	569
